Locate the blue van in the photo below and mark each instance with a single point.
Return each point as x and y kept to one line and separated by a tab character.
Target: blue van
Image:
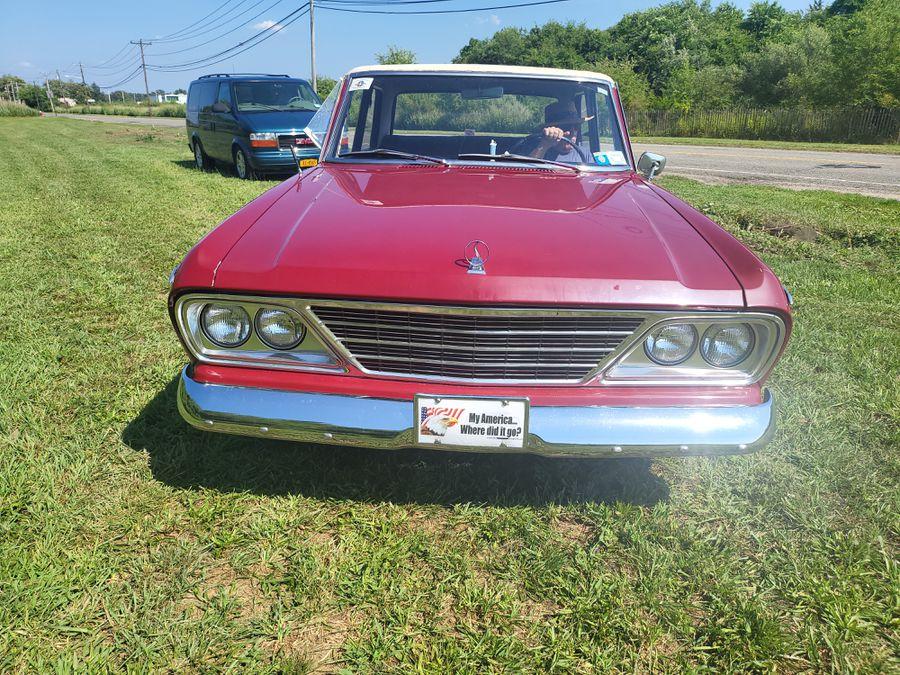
251	122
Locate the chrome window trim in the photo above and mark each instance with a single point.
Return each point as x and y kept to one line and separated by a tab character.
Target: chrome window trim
601	374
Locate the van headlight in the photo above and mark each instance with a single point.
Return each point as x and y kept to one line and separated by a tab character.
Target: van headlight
279	328
225	324
671	344
727	344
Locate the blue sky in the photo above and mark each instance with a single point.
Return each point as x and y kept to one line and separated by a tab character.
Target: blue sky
39	37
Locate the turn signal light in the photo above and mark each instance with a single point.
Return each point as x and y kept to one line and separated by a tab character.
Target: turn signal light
264	140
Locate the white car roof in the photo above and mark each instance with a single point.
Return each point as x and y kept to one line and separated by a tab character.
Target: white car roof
463	68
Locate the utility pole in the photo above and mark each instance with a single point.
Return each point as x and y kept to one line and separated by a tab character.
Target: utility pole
141	44
312	43
58	78
81	67
50	96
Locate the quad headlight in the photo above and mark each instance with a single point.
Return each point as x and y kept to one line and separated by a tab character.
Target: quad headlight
279	328
727	344
242	330
225	324
709	348
671	344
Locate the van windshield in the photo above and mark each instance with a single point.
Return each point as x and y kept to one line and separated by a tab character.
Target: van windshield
267	96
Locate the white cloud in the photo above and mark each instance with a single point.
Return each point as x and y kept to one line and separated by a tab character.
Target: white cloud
268	23
26	64
492	19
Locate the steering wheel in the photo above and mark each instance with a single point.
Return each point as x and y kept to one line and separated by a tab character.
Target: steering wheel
539	133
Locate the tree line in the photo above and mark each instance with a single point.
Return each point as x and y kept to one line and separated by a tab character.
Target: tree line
687	55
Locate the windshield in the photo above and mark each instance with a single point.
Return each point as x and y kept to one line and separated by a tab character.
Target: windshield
469	118
268	95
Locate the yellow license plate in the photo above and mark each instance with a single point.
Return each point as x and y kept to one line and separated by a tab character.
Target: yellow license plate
306	163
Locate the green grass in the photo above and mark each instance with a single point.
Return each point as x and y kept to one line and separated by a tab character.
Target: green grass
888	149
129	540
129	110
15	109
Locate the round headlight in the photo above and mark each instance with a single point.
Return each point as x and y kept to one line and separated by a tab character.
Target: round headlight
225	324
727	344
671	344
279	328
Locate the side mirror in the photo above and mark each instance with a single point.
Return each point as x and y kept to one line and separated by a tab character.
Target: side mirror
220	107
651	165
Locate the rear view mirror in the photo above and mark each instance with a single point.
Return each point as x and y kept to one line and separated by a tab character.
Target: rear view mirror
650	165
486	92
221	107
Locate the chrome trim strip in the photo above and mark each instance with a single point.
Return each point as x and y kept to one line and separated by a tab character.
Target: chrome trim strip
557	431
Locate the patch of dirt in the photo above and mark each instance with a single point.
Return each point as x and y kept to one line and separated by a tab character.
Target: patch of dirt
783	229
220	577
319	643
573	530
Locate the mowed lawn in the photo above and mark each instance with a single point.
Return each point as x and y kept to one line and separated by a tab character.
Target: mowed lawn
127	539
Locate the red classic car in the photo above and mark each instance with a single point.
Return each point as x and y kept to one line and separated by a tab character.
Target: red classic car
479	263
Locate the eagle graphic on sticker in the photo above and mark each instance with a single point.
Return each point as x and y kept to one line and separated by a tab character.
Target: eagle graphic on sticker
436	421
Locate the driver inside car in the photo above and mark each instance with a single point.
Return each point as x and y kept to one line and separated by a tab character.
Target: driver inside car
562	132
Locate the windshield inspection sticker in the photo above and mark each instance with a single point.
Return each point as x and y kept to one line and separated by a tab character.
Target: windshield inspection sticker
360	83
614	158
472	422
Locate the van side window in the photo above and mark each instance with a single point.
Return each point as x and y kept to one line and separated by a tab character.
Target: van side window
225	94
207	95
193	102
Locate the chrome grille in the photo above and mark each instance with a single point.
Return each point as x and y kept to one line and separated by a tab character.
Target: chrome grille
457	344
298	140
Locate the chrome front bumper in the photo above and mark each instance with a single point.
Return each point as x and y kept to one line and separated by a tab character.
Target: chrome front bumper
558	431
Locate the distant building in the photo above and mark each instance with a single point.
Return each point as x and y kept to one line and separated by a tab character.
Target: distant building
68	102
171	98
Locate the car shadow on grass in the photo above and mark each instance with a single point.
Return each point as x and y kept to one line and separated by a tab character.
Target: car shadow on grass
226	170
183	457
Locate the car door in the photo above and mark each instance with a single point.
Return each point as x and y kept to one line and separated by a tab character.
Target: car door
226	124
206	98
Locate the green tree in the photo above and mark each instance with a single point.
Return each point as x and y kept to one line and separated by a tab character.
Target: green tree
325	85
394	54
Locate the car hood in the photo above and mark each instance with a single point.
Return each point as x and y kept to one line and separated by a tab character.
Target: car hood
400	233
277	122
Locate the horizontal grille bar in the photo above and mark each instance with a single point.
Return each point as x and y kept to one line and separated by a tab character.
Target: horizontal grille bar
461	345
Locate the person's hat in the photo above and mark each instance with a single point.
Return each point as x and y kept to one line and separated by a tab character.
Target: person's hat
564	113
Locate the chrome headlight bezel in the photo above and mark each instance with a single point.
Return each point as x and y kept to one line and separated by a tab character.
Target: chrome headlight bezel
310	353
632	366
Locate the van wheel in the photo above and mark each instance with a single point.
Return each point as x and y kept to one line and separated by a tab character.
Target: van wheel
201	159
242	166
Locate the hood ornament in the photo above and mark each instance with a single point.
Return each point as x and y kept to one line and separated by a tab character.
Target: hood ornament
476	254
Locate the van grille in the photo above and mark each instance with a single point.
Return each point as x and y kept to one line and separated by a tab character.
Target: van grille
297	140
457	344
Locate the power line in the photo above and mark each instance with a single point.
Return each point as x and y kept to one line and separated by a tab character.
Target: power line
203	30
256	39
113	57
334	8
186	28
219	37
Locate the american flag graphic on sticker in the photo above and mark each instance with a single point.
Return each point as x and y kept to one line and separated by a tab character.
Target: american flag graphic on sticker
435	420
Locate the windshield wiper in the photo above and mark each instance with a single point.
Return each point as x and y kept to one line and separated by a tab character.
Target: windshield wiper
384	152
525	159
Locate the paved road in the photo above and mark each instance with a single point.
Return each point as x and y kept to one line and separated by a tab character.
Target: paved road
865	173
